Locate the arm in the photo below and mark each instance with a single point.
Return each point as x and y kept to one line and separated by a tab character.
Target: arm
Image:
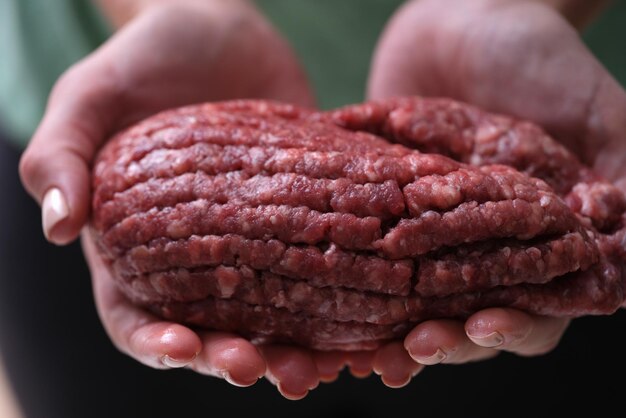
120	12
8	403
579	13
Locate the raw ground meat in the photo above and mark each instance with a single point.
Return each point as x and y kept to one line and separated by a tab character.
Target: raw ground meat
344	229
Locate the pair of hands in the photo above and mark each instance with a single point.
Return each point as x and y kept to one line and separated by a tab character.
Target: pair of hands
514	57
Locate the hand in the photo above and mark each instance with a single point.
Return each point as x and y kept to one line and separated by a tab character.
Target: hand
518	58
168	55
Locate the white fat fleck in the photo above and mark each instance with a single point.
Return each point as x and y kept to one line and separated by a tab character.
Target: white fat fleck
449	193
476	159
227	283
157	157
587	204
371	175
271	138
487	133
545	200
177	229
134	169
548	148
373	318
324	307
273	219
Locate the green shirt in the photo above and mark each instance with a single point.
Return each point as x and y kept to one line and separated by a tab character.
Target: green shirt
39	39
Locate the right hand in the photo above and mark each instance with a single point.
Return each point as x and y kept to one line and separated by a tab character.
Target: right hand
169	55
518	58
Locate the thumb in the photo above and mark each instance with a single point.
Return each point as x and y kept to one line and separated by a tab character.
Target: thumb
55	167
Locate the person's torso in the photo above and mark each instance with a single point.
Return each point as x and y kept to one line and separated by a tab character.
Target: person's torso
39	39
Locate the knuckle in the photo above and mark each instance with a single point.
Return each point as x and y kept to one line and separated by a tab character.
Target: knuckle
66	82
93	80
30	166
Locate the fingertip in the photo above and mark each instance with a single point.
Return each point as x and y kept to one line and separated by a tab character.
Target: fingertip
55	213
58	157
515	331
164	345
498	327
233	358
54	210
329	378
329	364
360	363
180	343
290	394
60	183
291	369
430	342
394	365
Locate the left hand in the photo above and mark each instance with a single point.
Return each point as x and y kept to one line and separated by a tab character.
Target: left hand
170	54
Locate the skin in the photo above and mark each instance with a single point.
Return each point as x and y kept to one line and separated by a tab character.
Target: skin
167	54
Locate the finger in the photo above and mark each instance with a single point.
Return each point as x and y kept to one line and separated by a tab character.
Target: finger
291	369
329	364
443	341
55	166
230	357
394	365
361	363
144	337
515	331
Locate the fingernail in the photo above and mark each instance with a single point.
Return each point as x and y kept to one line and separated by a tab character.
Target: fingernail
396	384
237	382
329	378
360	373
53	210
436	358
490	340
174	363
291	396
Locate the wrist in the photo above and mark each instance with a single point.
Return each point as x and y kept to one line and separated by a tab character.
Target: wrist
579	13
120	12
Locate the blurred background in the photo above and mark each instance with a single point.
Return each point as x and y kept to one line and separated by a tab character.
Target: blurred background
60	361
